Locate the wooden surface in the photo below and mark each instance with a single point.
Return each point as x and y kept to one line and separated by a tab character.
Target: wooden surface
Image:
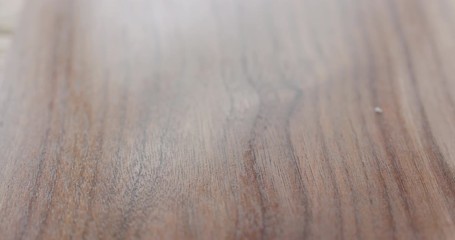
216	119
9	13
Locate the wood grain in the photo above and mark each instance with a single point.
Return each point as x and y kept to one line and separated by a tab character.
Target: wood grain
215	119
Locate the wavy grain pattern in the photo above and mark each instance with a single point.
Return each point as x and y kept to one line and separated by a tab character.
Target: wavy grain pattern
214	119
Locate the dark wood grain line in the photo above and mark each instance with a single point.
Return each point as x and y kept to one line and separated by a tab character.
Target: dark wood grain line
43	152
330	172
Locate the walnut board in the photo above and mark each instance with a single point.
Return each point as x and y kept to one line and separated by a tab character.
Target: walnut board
229	119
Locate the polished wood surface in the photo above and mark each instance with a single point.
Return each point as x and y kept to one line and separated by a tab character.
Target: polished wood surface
229	119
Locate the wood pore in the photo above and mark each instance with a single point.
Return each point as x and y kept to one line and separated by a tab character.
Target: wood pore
229	119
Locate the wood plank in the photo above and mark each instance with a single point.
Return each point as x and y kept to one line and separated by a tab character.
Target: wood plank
214	119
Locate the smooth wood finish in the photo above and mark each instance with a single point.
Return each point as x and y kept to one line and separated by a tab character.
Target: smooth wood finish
217	119
9	12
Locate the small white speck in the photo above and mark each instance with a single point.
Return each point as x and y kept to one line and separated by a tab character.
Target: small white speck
378	110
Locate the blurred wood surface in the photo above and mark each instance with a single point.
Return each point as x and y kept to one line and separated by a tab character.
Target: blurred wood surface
239	119
9	13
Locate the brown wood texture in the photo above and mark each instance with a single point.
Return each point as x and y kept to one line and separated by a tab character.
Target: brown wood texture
229	119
